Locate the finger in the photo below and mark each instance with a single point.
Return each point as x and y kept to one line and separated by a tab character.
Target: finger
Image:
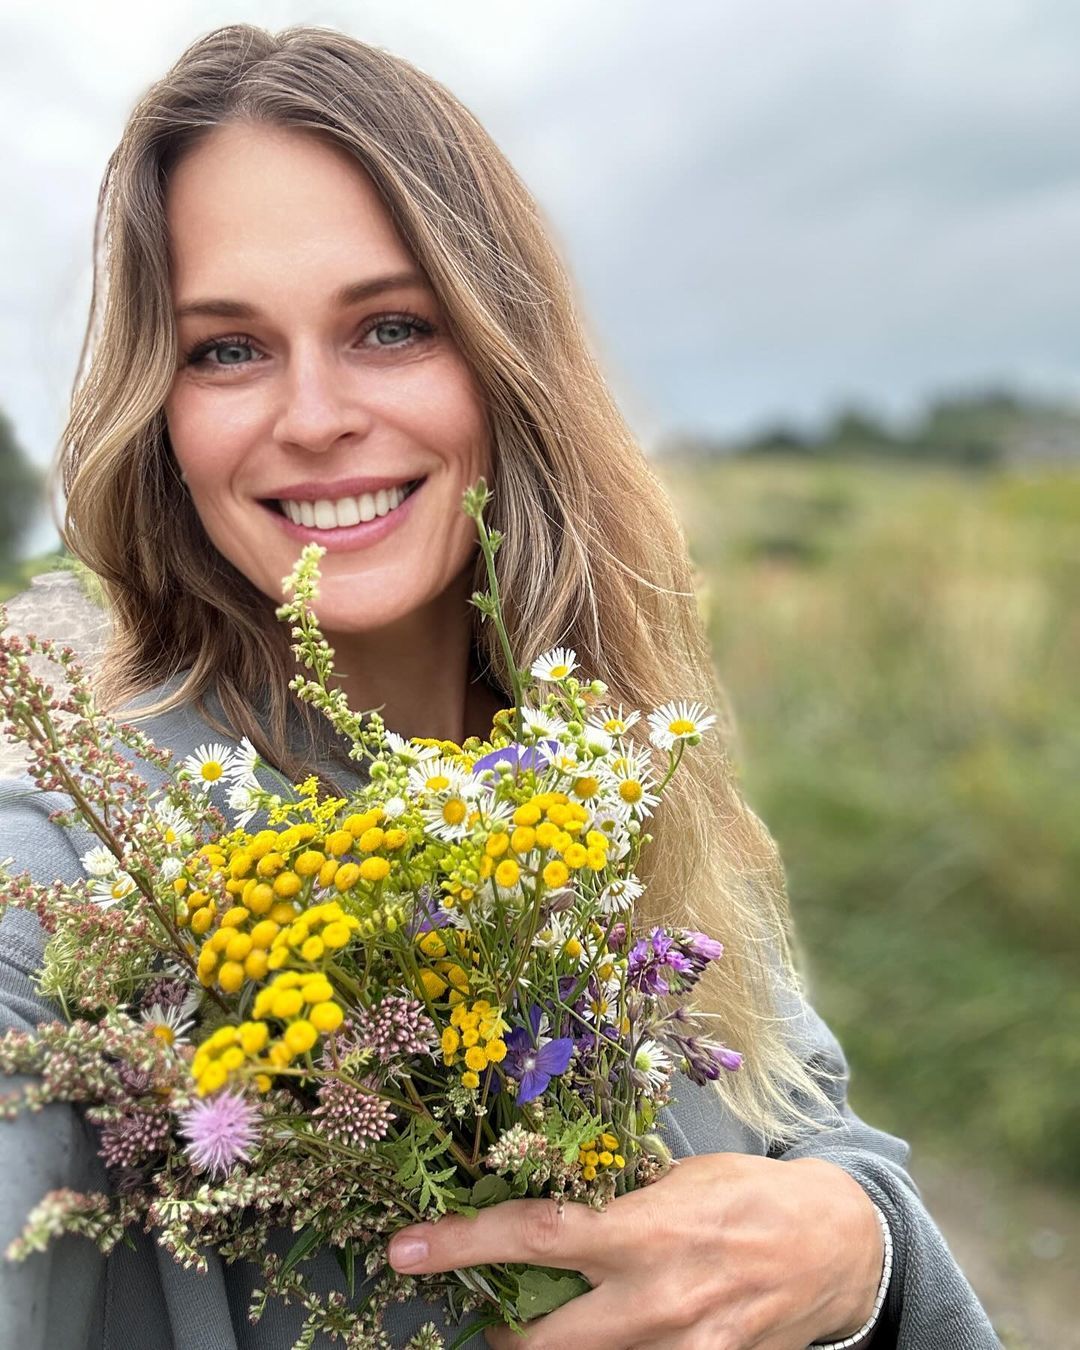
570	1236
502	1338
594	1320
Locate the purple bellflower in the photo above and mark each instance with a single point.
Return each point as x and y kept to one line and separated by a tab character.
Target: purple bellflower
535	1066
654	960
427	913
518	756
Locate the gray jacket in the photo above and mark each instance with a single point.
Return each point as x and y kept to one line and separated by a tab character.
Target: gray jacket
71	1297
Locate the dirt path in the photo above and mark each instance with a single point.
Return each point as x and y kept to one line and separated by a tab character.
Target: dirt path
1018	1244
54	605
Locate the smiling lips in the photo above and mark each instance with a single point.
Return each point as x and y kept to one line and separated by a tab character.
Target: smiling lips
345	523
326	513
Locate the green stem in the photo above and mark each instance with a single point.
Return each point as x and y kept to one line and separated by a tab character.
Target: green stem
500	627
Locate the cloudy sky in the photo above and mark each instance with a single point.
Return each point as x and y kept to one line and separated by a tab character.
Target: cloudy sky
769	207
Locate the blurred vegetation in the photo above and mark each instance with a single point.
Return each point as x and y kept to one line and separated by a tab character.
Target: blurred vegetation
980	429
20	497
901	645
21	573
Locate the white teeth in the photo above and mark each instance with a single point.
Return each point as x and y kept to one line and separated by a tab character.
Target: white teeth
325	515
328	515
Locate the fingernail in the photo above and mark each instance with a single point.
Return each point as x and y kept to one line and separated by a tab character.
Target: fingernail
408	1252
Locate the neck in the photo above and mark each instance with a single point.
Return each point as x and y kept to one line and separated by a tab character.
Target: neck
420	674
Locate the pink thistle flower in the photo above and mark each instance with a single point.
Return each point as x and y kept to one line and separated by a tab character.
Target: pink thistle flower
221	1131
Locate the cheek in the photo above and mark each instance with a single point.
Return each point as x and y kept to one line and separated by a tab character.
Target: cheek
207	443
454	421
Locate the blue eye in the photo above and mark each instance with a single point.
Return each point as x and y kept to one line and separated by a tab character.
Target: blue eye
196	356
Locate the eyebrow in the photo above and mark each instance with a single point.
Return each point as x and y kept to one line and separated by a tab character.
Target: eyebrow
350	294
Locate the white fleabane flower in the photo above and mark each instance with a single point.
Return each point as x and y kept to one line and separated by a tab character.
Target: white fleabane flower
614	721
555	664
407	753
169	1025
108	891
209	764
450	815
99	862
552	936
539	724
244	759
610	817
441	775
620	894
243	800
170	868
653	1063
634	782
492	812
676	720
171	822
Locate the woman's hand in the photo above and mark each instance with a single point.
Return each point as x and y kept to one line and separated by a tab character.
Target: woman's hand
726	1251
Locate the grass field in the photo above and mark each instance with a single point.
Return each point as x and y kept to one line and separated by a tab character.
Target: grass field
902	646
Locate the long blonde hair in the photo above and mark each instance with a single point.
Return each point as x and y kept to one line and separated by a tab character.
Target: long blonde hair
594	555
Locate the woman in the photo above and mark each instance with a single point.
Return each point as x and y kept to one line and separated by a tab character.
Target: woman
332	305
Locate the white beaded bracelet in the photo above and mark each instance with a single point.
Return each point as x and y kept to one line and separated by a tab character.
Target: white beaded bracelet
879	1302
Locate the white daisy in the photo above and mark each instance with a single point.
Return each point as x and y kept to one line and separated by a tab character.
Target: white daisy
99	861
610	817
593	785
244	760
108	891
604	1007
170	868
243	800
171	822
653	1063
209	764
676	720
551	936
406	752
555	664
564	759
633	783
441	775
620	894
614	721
539	724
170	1025
450	816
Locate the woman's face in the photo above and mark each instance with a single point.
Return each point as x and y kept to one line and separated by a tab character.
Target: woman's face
288	392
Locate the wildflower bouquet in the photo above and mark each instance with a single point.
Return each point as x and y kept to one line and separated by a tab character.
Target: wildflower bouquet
424	998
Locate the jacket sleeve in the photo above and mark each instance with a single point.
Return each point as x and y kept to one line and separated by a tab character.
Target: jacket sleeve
929	1305
55	1297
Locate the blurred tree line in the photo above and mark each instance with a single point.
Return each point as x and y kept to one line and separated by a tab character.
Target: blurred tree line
985	429
21	498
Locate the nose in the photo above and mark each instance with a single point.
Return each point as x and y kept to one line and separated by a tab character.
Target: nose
320	403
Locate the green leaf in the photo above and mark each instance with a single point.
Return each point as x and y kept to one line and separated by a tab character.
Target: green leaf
346	1259
306	1243
542	1290
490	1190
492	1319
